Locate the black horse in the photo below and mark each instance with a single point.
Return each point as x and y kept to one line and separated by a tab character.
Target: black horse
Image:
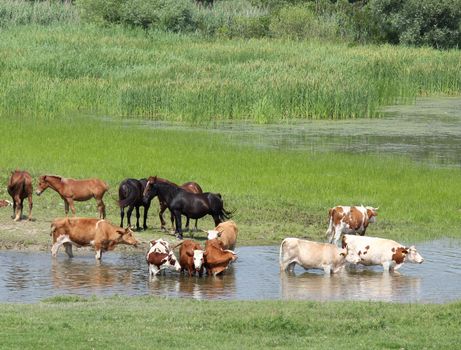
192	205
130	194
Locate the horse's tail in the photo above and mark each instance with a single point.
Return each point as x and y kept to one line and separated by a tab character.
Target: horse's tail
225	215
130	199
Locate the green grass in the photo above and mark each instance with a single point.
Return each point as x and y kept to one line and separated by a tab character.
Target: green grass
274	193
47	72
146	322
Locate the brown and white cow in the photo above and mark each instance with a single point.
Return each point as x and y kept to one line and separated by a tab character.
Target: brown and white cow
191	257
348	220
160	257
20	188
226	232
217	259
99	233
380	251
314	255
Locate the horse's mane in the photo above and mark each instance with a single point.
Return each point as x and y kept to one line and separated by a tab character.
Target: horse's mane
156	179
56	176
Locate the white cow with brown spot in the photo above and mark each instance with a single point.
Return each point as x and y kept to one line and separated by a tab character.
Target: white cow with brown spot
380	251
348	220
314	255
226	232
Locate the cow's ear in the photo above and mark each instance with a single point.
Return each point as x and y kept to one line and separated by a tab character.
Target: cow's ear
204	254
189	253
342	254
343	242
121	231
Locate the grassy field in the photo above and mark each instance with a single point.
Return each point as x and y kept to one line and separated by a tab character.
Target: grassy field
129	73
274	193
140	323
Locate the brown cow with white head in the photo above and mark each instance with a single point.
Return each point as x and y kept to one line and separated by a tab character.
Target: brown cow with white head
191	257
348	220
226	232
99	233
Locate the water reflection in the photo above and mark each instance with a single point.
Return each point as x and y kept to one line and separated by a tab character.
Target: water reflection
350	285
254	276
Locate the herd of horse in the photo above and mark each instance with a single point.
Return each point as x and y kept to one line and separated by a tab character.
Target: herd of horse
187	199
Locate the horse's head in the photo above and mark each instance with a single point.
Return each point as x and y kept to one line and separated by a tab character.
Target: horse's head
149	192
42	185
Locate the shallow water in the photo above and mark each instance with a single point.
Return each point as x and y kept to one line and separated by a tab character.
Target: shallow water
32	276
428	131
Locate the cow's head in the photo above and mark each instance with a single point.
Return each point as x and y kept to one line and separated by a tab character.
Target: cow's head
198	259
126	236
372	213
42	185
212	234
413	256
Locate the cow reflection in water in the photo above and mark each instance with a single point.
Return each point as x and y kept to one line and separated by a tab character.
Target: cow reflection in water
74	274
207	287
353	285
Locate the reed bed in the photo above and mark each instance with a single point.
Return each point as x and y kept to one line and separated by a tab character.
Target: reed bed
274	193
48	72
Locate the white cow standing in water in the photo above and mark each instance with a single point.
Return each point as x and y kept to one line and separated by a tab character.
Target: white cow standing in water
314	255
380	251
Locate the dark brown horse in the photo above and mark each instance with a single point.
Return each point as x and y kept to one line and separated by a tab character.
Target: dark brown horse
191	187
72	190
130	193
19	188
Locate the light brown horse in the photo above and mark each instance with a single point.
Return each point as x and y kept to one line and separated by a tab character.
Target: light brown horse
72	190
19	188
191	187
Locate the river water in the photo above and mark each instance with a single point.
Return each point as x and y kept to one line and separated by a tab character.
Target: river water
29	277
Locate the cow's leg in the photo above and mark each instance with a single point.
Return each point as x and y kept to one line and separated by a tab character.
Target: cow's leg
153	270
337	236
68	247
98	250
29	198
137	218
327	269
386	266
146	210
14	208
122	215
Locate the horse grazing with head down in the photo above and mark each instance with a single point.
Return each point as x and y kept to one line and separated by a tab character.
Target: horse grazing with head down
19	188
192	205
72	190
191	187
130	193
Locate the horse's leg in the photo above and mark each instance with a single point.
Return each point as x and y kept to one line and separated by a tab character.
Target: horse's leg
137	218
178	230
66	207
196	221
101	208
71	205
217	219
187	224
14	208
122	215
29	198
163	207
17	208
146	209
128	215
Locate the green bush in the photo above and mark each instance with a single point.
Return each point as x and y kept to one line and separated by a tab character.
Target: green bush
435	23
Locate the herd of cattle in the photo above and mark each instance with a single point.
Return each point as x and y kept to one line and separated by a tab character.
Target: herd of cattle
345	222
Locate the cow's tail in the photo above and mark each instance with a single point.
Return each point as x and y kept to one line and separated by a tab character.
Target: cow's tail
281	254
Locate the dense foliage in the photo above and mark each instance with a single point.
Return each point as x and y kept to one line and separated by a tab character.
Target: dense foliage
435	23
